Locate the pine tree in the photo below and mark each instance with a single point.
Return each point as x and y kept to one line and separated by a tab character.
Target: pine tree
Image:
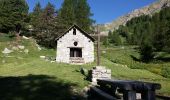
76	12
115	39
37	9
35	17
83	14
109	36
66	13
13	15
146	52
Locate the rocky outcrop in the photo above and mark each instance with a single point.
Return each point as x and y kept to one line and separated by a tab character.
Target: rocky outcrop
147	10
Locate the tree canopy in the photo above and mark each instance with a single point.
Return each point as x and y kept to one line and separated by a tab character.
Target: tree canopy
76	12
44	23
13	15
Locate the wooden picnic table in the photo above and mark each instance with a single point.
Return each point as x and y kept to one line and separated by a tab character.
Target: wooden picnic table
130	88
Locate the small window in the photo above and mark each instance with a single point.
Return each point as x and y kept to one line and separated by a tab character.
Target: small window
74	31
75	43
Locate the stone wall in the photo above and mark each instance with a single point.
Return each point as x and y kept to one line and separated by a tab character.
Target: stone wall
100	72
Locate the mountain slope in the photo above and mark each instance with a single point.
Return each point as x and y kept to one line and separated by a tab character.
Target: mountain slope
147	10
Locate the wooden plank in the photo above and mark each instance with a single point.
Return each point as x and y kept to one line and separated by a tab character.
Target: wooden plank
163	97
125	85
101	93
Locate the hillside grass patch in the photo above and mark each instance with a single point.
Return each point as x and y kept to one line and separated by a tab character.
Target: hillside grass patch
21	65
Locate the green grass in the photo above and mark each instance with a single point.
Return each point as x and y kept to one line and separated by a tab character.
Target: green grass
140	71
28	73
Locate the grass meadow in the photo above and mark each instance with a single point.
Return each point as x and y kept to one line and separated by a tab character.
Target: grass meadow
25	76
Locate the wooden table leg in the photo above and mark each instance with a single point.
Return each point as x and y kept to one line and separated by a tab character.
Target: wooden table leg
129	95
148	95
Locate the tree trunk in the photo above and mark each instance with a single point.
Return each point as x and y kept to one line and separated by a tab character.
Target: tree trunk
18	31
18	36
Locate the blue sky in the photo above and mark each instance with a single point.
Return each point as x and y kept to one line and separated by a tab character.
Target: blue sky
104	10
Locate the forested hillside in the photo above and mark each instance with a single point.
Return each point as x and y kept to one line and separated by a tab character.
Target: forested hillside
150	33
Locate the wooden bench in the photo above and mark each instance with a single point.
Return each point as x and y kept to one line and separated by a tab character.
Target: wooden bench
130	88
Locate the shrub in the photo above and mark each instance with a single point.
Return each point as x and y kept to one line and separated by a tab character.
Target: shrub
166	71
146	52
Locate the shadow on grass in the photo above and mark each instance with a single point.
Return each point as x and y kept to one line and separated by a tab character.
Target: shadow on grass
34	87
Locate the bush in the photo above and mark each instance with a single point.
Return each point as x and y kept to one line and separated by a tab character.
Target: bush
136	65
106	42
166	71
146	52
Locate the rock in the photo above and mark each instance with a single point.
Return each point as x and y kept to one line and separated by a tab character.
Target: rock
43	57
86	89
14	48
3	61
6	51
103	51
26	51
39	48
52	61
122	47
21	47
9	56
20	58
24	37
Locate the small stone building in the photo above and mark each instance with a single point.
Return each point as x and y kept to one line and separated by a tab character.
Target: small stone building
75	46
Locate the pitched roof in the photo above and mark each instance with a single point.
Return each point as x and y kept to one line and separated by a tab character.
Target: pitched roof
77	27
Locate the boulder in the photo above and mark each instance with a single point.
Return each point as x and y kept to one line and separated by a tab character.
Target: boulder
14	48
24	37
21	47
43	57
26	51
52	61
6	51
39	48
3	61
103	51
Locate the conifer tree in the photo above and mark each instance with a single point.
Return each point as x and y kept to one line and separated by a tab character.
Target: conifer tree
13	15
83	14
35	17
37	9
76	12
66	13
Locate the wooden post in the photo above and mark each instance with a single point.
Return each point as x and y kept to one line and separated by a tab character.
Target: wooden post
98	46
129	95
